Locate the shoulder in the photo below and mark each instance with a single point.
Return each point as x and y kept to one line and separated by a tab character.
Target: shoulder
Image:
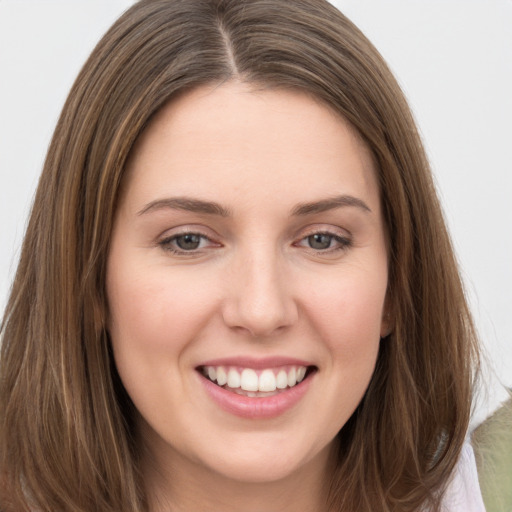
463	493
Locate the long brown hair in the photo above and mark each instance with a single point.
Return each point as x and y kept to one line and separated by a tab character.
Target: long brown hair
66	429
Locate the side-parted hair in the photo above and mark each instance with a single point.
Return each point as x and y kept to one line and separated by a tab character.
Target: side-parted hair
66	424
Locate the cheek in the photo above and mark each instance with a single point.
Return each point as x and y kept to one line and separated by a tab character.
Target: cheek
155	309
347	313
155	315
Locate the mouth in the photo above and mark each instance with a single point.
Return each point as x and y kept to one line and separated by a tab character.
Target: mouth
257	382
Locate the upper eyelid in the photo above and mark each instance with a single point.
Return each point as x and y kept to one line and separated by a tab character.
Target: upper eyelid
174	236
212	236
169	244
323	229
341	238
167	239
186	230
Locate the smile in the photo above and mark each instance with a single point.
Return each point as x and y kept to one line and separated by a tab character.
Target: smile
255	383
257	390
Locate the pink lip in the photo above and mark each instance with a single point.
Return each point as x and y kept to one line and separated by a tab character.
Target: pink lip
256	363
257	407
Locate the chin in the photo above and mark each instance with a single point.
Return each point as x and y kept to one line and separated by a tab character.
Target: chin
266	459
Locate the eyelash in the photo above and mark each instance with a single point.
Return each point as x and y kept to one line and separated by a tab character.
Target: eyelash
168	244
343	243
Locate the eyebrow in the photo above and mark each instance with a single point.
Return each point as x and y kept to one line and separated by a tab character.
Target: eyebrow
187	204
330	204
211	208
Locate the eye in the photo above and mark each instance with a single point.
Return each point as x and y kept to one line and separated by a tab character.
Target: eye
324	242
183	243
188	242
320	241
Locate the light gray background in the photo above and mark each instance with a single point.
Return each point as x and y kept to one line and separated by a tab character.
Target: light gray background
453	58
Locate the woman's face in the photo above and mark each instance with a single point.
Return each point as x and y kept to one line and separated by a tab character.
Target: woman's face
246	282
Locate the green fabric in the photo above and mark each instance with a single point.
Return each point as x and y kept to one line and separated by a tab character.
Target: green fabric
492	442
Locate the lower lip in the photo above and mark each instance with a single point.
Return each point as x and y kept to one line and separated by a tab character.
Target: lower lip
256	407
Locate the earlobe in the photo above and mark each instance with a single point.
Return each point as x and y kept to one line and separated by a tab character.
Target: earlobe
386	326
385	331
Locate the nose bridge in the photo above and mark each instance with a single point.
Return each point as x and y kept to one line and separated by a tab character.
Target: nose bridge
259	298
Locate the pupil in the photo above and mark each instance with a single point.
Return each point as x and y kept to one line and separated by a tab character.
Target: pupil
320	241
188	242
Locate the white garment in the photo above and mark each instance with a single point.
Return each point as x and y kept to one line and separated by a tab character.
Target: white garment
463	493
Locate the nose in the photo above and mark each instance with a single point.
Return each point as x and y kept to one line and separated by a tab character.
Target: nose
259	298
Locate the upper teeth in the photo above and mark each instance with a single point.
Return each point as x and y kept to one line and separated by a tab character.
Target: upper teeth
249	379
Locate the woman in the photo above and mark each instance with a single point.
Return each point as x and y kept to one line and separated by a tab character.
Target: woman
236	290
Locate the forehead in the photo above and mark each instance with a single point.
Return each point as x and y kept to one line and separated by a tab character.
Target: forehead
234	137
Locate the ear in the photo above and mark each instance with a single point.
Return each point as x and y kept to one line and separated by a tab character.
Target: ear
386	325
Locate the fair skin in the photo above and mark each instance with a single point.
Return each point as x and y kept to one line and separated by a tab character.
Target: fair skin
249	237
